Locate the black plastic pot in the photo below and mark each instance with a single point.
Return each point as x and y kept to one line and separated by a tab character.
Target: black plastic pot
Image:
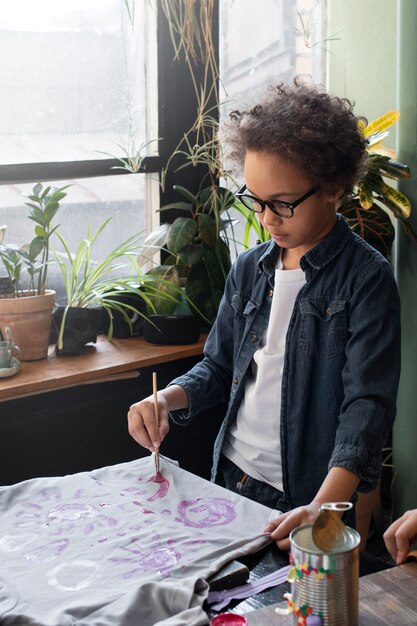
82	325
171	329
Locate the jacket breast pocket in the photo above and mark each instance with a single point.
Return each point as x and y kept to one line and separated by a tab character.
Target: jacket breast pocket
323	329
244	310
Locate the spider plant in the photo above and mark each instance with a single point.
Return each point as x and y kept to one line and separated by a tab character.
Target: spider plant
89	283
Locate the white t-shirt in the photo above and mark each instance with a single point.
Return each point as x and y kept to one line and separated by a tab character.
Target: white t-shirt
253	442
115	546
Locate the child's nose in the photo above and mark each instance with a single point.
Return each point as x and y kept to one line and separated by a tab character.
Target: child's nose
269	217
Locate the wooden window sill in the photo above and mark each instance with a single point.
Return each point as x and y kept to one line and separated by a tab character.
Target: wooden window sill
98	362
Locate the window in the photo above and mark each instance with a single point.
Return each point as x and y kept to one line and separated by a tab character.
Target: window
73	74
272	41
78	79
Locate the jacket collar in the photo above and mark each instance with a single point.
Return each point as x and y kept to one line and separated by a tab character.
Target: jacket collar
319	256
316	258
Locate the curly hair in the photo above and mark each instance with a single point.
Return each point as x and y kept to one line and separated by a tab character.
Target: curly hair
304	125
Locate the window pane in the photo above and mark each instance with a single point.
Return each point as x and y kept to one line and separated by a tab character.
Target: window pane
89	202
271	41
72	78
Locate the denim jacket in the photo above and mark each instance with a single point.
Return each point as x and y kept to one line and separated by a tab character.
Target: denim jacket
341	364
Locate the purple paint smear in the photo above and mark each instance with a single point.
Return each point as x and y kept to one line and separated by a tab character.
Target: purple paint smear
47	552
66	517
143	509
204	512
161	560
162	490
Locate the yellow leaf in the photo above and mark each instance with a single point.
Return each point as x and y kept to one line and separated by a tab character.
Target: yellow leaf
383	150
365	196
361	125
382	123
399	199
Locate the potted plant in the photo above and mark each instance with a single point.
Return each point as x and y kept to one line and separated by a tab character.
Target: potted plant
197	246
171	320
374	202
25	302
95	287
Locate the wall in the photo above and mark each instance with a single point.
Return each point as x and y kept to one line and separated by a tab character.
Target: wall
405	430
362	61
373	63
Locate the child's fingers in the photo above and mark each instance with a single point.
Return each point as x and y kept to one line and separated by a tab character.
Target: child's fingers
282	526
142	424
284	544
273	524
397	538
404	536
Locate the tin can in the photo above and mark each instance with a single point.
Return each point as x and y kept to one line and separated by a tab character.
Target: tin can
325	584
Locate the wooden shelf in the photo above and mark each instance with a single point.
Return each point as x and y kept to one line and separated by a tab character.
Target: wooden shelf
101	361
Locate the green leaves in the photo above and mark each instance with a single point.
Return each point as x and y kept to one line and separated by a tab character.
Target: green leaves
197	247
181	234
374	225
187	194
382	164
42	208
35	248
205	284
89	282
396	201
367	209
208	230
164	293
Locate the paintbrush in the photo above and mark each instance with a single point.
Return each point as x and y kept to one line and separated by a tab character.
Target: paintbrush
155	404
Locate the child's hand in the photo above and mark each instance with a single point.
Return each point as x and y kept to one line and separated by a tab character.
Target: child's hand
400	535
142	422
281	527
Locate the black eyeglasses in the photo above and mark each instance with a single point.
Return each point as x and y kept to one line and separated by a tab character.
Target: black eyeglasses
279	207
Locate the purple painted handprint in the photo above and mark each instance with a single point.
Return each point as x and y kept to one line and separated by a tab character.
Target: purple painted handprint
204	512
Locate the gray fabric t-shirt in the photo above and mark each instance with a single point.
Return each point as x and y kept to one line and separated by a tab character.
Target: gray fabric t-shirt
115	547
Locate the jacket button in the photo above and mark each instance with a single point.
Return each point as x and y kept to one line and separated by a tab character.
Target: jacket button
270	293
253	338
328	311
235	380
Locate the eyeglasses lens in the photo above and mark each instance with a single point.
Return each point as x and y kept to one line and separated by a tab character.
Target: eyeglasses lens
277	207
251	204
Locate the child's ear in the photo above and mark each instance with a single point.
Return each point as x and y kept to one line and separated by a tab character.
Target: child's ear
335	195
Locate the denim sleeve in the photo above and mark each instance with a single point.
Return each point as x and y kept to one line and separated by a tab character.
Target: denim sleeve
370	376
208	382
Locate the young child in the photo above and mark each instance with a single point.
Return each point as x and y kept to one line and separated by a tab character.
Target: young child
305	348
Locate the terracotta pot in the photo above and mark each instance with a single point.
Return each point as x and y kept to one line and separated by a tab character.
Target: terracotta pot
29	319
